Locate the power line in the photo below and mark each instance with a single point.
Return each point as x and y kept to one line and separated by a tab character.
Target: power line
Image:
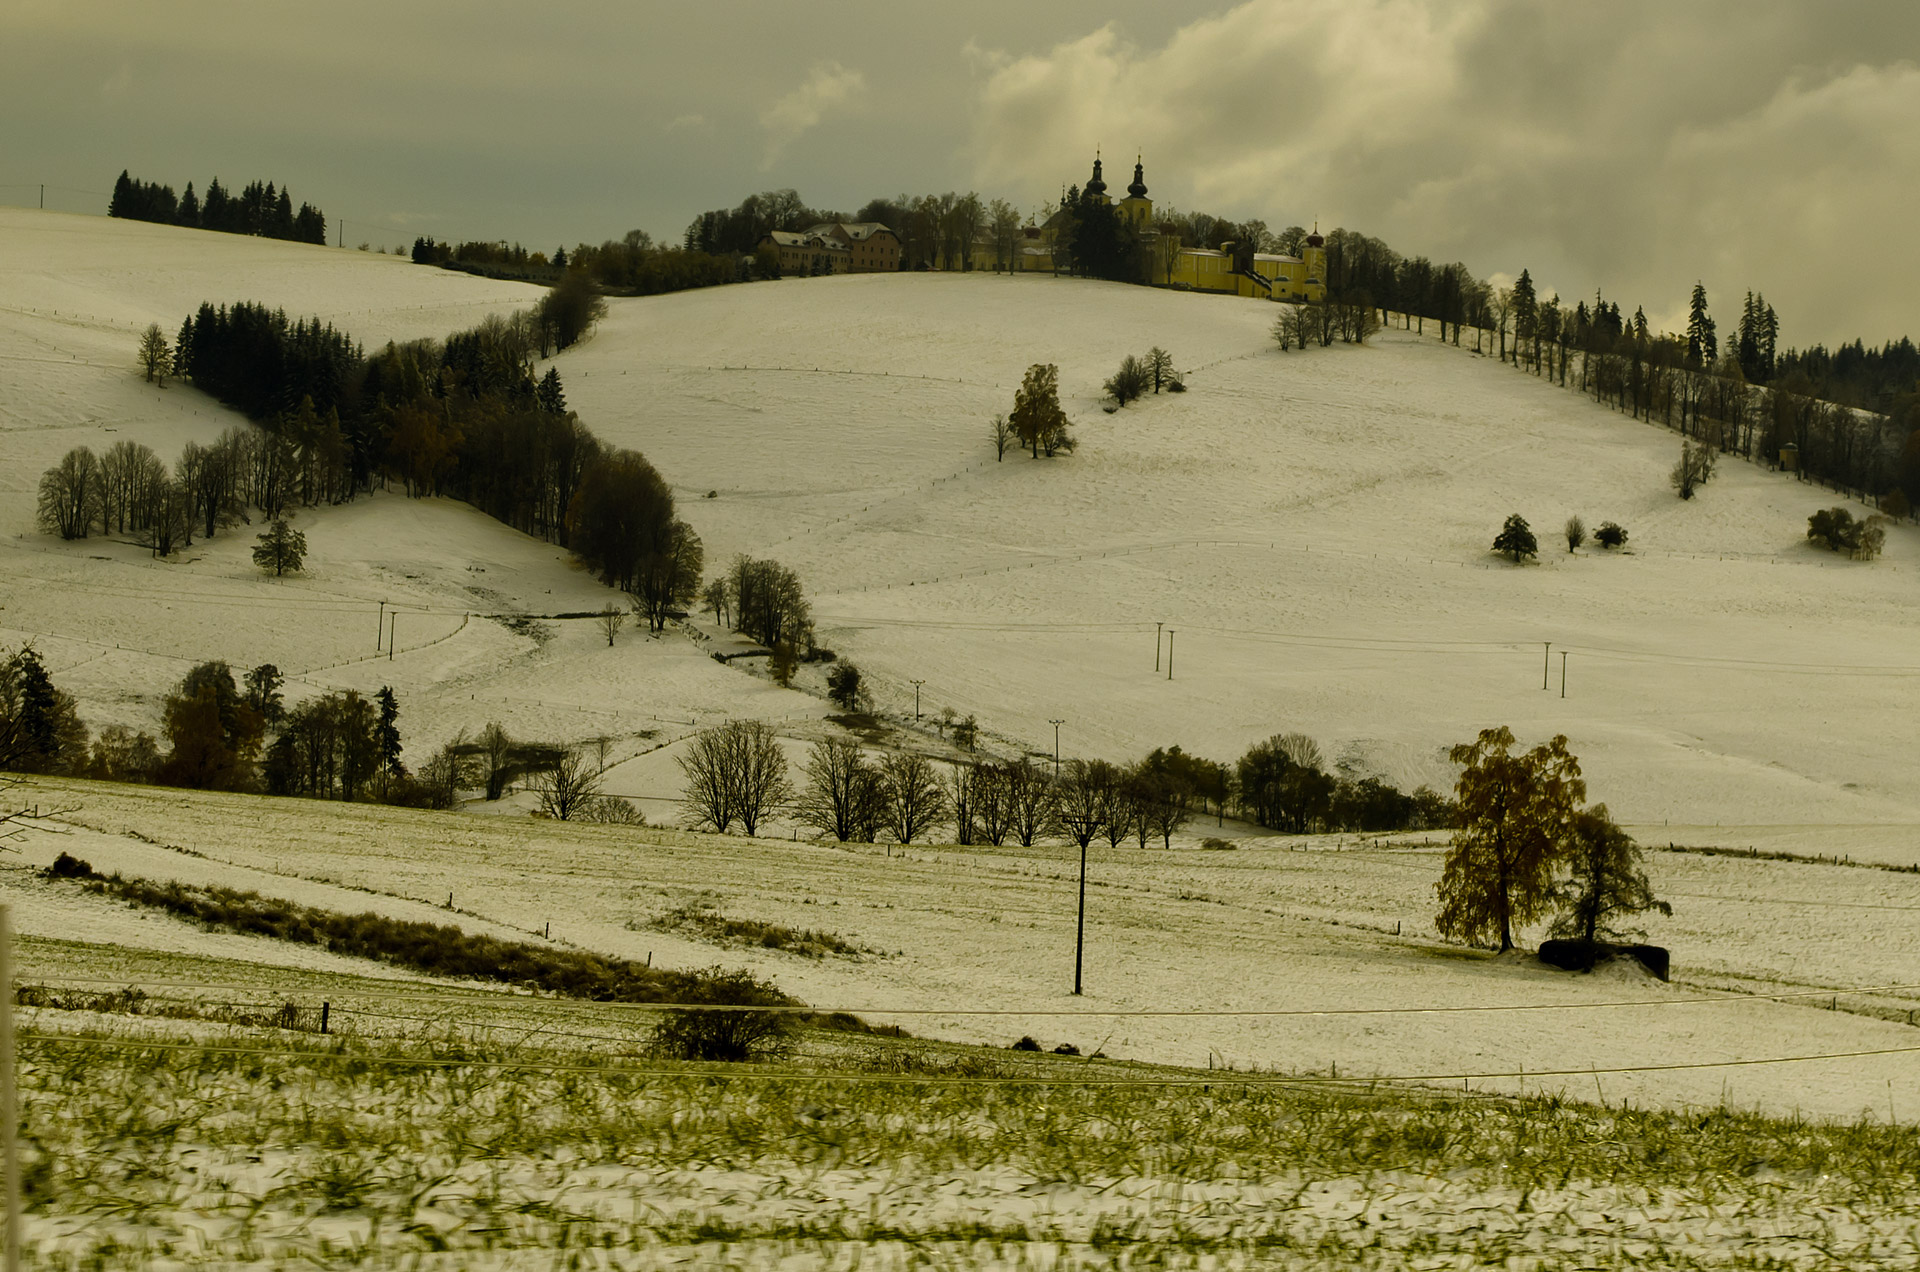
479	997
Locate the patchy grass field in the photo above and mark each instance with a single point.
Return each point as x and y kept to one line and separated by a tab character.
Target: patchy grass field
438	1152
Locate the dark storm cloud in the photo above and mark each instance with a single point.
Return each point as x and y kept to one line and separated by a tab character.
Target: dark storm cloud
1637	145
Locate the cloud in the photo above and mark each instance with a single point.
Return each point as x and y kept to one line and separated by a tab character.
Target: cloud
680	123
1636	146
828	87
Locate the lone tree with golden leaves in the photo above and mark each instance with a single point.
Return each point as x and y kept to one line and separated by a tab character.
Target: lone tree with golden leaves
1516	821
1037	418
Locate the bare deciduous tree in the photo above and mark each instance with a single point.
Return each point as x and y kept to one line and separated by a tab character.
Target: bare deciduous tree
612	619
70	494
842	796
1002	434
736	772
1030	813
915	802
567	786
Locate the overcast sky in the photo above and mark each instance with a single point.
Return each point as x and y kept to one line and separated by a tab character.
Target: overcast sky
1635	145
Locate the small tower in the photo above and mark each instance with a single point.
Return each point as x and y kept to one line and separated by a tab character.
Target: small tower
1314	256
1137	209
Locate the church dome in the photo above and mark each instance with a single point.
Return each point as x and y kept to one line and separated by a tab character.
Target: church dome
1139	187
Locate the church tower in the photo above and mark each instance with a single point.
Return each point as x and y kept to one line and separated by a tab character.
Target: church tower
1096	187
1137	209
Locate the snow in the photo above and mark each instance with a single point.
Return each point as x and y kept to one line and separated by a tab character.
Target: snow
1329	949
1312	527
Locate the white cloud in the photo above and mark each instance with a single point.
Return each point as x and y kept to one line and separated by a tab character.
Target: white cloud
829	87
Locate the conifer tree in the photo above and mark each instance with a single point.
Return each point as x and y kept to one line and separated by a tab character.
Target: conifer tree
387	732
280	548
1702	345
1526	315
1516	539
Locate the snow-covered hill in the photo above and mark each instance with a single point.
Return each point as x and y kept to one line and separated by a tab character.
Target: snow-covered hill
1312	527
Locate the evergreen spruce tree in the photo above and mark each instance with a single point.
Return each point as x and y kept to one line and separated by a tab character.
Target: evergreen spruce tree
121	204
1526	313
189	213
1702	346
551	398
387	732
280	548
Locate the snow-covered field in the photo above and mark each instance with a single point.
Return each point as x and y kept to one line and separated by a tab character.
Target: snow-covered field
1313	527
1326	948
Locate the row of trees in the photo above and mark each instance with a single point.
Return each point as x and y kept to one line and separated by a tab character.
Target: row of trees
259	209
129	490
737	774
225	733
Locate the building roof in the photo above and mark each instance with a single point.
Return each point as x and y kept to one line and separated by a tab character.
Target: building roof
1138	189
1276	256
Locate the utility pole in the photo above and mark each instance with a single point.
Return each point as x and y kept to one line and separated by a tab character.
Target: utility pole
393	632
1546	663
1169	653
1563	673
1156	645
380	628
1080	925
1056	747
916	699
43	196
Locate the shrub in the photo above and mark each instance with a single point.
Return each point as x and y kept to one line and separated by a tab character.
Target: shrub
1576	533
1839	531
1215	844
1066	1049
1026	1043
729	1036
65	867
1610	535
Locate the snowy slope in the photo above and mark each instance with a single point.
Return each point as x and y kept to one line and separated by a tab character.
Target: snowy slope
1313	527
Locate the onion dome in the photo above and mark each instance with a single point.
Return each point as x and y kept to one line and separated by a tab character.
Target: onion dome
1139	187
1094	184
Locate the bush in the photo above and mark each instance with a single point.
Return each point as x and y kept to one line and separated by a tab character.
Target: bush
1130	382
728	1036
1838	530
1026	1043
1610	535
1215	844
1576	533
65	867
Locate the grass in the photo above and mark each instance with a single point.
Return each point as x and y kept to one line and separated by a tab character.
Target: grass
431	948
336	1153
701	920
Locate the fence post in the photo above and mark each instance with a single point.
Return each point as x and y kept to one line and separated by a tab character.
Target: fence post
326	1009
9	1102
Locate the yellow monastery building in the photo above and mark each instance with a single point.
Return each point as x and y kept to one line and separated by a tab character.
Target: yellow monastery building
1168	263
